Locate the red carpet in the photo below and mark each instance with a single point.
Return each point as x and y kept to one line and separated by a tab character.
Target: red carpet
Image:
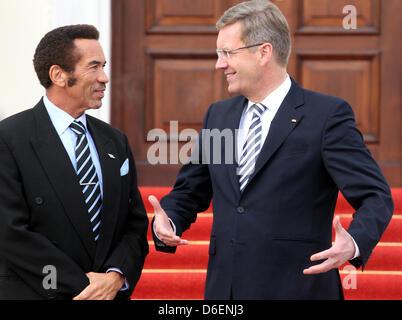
182	275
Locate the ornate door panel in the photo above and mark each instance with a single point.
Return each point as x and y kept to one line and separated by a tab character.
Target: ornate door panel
163	74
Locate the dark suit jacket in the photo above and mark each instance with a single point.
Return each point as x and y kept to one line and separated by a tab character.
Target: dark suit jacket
43	217
263	238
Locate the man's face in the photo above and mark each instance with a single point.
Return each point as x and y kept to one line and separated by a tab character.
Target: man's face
241	69
87	84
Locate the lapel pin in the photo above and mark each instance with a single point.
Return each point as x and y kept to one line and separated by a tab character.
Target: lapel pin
294	120
111	156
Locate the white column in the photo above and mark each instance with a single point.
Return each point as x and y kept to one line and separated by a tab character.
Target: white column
22	24
97	13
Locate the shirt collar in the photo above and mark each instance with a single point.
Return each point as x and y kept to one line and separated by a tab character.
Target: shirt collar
274	100
61	120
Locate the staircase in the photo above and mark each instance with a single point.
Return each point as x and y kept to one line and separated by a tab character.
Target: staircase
181	276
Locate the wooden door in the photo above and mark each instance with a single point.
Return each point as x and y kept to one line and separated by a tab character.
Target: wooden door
163	76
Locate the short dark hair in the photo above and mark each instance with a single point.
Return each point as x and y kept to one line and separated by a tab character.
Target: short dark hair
57	48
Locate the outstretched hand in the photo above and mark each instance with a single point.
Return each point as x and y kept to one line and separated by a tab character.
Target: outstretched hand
342	250
162	226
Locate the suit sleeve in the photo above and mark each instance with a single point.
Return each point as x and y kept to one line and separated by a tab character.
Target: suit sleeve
129	255
25	251
359	178
192	192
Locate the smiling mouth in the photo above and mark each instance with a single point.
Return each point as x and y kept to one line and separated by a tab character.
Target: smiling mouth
101	93
229	75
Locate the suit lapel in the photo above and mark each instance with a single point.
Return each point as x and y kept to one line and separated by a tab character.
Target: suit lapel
59	169
110	164
233	118
285	120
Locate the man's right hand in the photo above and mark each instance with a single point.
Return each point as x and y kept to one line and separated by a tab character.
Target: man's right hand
162	226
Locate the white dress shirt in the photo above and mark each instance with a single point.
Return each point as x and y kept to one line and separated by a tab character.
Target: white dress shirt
272	102
61	121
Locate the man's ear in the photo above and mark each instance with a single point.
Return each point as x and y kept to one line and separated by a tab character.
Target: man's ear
266	53
58	76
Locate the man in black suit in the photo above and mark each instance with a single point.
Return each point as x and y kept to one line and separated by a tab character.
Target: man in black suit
273	208
72	221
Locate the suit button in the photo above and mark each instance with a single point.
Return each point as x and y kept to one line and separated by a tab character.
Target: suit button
240	210
38	201
232	243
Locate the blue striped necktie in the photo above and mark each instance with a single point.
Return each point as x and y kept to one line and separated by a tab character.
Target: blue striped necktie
87	177
251	147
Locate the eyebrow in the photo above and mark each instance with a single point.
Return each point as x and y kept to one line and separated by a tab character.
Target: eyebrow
96	62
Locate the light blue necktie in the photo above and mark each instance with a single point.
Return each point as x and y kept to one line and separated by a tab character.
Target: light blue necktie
252	146
87	177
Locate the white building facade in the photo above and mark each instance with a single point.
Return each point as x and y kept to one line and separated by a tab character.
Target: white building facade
22	24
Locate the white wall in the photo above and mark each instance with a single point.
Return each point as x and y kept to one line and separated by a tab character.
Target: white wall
22	24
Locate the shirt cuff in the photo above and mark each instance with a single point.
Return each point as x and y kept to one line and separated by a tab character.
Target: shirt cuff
126	284
357	251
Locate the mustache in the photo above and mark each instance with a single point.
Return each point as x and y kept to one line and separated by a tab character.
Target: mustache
100	88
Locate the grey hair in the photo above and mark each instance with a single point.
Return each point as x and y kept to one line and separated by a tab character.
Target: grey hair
261	22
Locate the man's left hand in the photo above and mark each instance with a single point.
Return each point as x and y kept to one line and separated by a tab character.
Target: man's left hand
102	286
342	250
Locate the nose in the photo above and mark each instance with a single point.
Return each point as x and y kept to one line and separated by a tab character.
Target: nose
221	64
103	77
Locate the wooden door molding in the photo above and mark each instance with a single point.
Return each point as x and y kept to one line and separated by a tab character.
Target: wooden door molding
163	58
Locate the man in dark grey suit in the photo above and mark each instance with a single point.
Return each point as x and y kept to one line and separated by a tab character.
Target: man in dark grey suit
72	221
273	209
